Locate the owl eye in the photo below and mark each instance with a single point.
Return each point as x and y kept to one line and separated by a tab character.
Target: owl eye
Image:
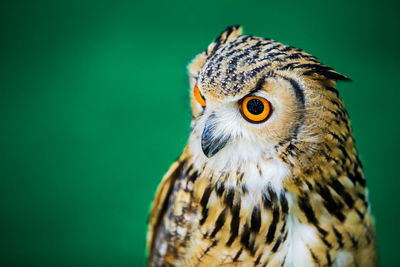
197	95
255	109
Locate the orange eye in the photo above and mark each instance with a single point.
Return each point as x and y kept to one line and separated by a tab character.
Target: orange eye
197	95
255	109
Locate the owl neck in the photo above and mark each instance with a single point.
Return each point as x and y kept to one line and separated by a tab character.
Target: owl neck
298	168
246	185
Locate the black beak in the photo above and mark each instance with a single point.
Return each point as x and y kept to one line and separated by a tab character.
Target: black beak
210	143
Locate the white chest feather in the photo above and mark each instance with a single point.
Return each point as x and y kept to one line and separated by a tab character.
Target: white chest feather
258	177
300	236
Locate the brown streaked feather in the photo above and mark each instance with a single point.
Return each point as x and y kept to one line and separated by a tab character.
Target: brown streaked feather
205	215
160	202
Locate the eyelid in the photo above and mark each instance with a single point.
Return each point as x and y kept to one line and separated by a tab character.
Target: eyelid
258	93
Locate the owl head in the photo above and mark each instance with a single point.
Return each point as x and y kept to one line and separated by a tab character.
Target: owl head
253	98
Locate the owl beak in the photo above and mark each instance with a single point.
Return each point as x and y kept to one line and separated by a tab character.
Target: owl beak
210	142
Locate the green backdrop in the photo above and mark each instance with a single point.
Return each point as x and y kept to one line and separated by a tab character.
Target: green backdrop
94	108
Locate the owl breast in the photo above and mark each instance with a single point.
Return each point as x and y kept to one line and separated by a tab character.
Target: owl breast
243	217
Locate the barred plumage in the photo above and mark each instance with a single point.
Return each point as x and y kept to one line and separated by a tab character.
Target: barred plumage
286	191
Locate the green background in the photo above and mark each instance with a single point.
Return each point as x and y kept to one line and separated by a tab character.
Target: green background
94	108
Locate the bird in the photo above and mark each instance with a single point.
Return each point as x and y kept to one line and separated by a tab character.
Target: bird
270	175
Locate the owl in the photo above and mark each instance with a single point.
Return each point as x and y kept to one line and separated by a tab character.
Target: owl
270	175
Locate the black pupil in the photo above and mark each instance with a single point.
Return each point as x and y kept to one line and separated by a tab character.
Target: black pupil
255	106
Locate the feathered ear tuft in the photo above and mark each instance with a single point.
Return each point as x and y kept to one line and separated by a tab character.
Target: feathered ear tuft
197	63
322	70
338	77
228	35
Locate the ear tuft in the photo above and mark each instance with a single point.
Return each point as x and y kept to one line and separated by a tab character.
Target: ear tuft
228	35
338	77
197	63
324	71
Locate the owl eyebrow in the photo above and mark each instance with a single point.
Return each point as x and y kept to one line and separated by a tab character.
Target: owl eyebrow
258	86
261	82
